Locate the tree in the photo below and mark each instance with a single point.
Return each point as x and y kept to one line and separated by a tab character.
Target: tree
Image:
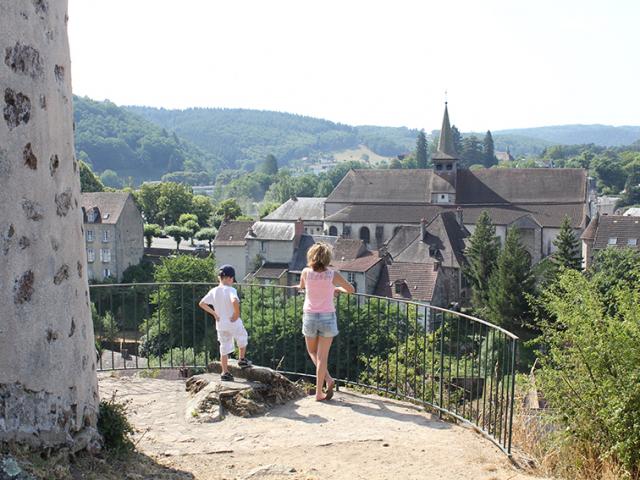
472	151
228	209
270	165
147	199
567	255
510	284
187	217
89	182
178	234
489	150
395	163
457	139
201	207
482	255
324	188
267	208
174	200
208	234
151	230
193	227
421	150
109	178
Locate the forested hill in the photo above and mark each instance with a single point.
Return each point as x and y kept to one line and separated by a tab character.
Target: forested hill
240	137
111	138
602	135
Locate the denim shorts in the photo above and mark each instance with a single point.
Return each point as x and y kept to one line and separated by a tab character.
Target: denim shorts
319	324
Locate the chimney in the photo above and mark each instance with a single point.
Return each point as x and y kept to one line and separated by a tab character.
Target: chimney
298	231
459	216
423	229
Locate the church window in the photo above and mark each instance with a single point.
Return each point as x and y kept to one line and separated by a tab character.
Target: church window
365	235
333	231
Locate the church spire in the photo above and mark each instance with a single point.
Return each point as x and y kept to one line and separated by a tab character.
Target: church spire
445	144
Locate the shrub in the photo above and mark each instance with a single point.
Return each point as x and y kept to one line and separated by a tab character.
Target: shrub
590	370
114	426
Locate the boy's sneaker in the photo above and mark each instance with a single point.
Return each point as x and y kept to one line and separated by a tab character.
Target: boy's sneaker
244	363
226	377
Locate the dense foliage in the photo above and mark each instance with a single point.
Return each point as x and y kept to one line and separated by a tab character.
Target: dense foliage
589	372
481	255
239	138
111	138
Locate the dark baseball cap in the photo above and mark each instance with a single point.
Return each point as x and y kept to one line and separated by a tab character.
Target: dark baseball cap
227	271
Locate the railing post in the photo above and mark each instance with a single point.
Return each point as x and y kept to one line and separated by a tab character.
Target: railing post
441	380
513	386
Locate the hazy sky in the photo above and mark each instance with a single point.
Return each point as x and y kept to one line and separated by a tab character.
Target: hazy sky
505	63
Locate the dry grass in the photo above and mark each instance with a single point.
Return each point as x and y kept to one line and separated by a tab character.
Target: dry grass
62	466
356	155
538	451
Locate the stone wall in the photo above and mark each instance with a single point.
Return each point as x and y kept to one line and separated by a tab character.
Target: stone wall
48	386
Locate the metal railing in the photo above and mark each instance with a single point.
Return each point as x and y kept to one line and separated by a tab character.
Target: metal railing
458	365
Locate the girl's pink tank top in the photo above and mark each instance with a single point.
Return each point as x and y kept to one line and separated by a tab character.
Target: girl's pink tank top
319	292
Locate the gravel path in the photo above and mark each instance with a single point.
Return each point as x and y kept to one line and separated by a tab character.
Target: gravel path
352	437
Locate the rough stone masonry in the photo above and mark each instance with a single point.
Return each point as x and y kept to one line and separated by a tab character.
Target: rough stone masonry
48	385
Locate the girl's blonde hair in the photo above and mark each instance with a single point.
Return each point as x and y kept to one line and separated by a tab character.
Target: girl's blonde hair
319	256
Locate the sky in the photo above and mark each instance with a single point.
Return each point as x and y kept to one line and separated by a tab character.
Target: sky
503	63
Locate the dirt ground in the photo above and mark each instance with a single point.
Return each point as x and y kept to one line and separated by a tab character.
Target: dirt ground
354	436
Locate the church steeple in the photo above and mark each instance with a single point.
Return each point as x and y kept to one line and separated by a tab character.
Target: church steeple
445	163
446	148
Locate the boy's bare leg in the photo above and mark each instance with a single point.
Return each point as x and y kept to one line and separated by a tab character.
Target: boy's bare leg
224	361
312	349
243	352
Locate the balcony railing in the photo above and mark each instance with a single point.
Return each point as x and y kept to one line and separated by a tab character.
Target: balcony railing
458	365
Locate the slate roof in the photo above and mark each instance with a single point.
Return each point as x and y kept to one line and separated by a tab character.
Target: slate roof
271	271
444	241
348	249
110	205
383	186
521	185
487	187
623	229
418	281
547	215
271	231
232	233
363	263
299	260
306	208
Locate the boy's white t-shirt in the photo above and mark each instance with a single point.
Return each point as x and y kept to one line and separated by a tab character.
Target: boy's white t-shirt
221	297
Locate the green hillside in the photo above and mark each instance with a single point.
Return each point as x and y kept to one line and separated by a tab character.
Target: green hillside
242	138
110	137
602	135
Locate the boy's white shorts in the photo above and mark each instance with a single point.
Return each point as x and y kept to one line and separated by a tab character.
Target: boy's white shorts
227	337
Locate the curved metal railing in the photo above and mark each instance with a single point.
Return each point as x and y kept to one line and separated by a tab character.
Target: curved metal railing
459	365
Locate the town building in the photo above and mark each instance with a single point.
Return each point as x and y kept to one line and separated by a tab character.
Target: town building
358	265
609	231
425	263
113	230
371	205
308	209
230	246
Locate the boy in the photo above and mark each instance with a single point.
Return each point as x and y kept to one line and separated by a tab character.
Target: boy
226	310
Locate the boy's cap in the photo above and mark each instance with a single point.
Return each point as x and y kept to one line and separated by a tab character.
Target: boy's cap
227	271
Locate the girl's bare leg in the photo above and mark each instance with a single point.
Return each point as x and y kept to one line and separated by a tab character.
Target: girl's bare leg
312	349
322	356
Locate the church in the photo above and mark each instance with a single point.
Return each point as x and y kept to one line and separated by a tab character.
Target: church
373	205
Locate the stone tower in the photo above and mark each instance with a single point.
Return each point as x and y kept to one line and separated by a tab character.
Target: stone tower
48	386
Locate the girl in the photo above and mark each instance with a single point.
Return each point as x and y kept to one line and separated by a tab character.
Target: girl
319	323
